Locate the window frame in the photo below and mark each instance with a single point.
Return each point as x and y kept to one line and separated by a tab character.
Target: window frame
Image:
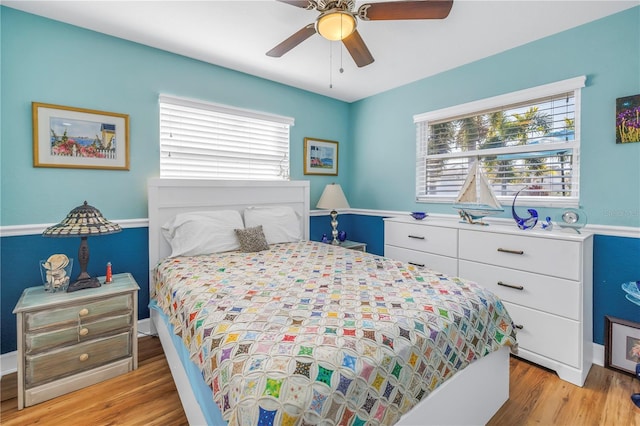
231	113
478	107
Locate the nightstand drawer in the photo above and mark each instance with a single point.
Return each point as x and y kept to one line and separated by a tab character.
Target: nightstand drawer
60	363
431	239
71	314
44	340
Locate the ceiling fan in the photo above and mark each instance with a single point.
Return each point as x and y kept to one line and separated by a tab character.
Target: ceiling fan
337	21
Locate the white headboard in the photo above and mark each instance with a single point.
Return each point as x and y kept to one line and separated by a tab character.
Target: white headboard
168	197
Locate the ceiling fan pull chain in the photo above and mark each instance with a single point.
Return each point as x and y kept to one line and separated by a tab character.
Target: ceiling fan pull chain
330	67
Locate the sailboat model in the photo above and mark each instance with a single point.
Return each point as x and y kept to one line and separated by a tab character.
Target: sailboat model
476	198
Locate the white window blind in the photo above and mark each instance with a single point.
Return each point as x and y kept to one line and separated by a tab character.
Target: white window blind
527	139
201	140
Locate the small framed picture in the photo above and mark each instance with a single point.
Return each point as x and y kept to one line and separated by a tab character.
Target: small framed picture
320	157
621	344
79	138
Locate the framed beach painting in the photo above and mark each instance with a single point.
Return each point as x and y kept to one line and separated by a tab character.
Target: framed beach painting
79	138
621	344
320	157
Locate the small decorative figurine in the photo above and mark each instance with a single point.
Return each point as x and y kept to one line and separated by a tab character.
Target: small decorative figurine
547	225
325	239
342	235
524	222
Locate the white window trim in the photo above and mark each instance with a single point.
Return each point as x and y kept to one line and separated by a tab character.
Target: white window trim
193	103
538	92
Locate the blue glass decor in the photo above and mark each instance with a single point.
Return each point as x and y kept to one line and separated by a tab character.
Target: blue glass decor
524	222
342	235
547	225
418	215
325	239
632	289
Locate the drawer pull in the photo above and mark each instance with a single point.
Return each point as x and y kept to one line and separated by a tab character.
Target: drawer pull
421	265
416	237
519	326
83	312
84	331
510	251
517	287
83	357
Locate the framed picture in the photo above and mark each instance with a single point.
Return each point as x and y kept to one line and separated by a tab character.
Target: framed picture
628	119
79	138
621	344
320	157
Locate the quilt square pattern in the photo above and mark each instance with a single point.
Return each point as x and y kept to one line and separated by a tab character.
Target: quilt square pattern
310	333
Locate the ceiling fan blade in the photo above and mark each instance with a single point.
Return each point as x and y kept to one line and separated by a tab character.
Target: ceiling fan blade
292	41
398	10
305	4
357	49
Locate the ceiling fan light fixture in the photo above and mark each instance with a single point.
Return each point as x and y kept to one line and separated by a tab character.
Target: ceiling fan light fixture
336	25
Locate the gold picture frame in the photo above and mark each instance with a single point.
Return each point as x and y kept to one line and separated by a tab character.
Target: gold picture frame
78	138
320	157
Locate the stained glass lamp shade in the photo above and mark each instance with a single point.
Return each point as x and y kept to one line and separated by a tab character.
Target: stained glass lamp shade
83	221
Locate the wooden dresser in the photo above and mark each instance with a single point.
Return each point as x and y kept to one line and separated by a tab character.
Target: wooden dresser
67	341
544	279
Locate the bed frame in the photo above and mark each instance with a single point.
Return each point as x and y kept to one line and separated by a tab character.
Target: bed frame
470	397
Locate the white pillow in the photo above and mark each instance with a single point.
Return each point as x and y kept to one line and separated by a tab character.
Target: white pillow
280	224
195	233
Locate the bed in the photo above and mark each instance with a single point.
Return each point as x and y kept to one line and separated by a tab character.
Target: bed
309	333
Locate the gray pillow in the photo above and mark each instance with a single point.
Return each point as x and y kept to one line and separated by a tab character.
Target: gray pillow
252	239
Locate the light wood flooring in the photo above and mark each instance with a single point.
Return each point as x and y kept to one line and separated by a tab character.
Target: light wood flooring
148	396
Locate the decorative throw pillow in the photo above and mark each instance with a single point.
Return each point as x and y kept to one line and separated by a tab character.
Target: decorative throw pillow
252	239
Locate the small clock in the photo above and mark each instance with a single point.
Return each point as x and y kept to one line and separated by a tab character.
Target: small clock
570	217
573	218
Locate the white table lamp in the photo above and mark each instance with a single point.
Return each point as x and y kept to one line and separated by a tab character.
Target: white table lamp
333	198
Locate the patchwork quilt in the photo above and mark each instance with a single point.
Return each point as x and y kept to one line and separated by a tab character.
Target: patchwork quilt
309	333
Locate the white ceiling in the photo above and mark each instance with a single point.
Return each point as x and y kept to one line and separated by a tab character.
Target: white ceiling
237	34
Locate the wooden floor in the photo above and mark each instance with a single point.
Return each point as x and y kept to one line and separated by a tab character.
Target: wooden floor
148	396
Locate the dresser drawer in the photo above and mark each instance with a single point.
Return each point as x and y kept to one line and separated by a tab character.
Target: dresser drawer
44	339
547	335
555	257
550	294
70	314
64	362
431	239
446	265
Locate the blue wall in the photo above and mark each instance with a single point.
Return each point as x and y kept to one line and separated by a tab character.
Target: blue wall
47	61
606	51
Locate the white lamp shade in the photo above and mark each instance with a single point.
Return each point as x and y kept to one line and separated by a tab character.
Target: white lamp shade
332	198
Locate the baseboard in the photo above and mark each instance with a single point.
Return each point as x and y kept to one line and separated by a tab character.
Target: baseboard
9	361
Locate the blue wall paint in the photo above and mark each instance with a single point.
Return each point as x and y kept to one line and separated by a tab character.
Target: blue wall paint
607	51
127	251
51	62
616	260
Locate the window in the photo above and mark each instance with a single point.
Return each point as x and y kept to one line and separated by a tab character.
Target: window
207	141
527	139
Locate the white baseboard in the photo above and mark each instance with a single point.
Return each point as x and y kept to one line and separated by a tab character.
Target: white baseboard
9	361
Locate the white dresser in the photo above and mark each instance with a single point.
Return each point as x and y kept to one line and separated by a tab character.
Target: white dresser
544	279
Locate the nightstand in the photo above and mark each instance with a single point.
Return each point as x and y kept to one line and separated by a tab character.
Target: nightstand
67	341
354	245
